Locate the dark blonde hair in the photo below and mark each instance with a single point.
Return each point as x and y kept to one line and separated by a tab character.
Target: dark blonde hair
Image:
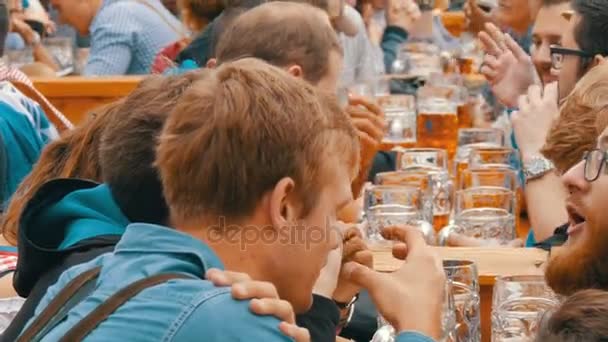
237	132
128	146
285	33
582	317
575	130
74	154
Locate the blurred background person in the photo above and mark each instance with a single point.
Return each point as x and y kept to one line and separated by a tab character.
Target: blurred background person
196	15
125	36
581	317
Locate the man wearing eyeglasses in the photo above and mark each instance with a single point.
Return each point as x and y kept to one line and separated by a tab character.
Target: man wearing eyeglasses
582	263
583	43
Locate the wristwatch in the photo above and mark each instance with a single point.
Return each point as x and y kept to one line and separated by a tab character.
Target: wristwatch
349	309
536	167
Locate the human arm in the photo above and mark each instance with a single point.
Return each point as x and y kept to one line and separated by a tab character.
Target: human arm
545	196
110	52
367	57
368	119
32	38
401	15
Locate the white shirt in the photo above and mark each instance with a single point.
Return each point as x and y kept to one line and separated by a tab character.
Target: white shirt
362	62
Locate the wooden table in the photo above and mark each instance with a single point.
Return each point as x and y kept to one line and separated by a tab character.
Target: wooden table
491	262
76	96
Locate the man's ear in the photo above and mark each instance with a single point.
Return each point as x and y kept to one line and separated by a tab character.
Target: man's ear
296	70
282	211
211	63
598	59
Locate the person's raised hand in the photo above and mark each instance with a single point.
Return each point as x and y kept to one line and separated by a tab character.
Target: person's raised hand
537	113
412	297
402	13
506	66
264	297
327	282
354	250
368	119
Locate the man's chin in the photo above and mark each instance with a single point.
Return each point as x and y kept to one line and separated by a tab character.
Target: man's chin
578	265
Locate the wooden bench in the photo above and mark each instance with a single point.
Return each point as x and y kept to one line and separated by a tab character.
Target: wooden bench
491	262
77	96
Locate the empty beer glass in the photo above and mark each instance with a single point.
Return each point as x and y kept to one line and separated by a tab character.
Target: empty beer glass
485	213
471	138
386	333
364	89
433	161
465	289
494	156
425	157
417	179
388	205
501	177
400	116
518	304
491	176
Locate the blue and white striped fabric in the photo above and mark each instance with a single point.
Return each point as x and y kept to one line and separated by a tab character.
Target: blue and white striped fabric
24	131
126	35
30	109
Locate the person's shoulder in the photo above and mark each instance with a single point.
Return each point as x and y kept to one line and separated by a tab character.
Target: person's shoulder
118	11
217	316
353	15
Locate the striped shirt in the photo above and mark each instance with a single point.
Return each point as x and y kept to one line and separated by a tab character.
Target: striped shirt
126	35
14	75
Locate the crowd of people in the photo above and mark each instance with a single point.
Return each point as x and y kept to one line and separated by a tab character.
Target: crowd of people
220	200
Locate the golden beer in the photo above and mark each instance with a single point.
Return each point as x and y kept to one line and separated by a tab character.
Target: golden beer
440	221
522	232
389	145
466	65
438	130
465	115
461	166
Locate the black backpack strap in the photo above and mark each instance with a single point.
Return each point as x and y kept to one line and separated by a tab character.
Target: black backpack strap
79	331
58	308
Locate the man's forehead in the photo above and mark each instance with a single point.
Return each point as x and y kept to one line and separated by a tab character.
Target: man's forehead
568	14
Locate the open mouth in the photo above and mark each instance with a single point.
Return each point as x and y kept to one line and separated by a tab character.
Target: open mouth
576	219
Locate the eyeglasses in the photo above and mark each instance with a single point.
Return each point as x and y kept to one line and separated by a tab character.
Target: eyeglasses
558	53
594	160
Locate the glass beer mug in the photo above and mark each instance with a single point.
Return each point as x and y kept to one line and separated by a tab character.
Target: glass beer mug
400	116
437	123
